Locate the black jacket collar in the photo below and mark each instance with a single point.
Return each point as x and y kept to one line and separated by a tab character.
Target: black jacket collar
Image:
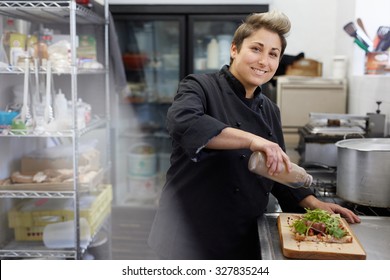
237	86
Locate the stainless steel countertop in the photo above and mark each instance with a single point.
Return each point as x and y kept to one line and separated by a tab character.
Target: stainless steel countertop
373	233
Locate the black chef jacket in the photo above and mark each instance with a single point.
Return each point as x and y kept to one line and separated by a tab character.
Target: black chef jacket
210	203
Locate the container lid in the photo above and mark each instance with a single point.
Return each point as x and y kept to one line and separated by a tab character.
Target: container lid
365	144
142	149
339	58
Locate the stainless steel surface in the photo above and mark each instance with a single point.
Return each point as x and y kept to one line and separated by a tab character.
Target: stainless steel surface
269	237
336	116
377	124
325	153
373	233
346	124
318	137
363	175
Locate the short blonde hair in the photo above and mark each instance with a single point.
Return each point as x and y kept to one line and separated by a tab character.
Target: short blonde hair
273	21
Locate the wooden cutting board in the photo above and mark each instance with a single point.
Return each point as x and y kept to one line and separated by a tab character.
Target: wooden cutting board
317	251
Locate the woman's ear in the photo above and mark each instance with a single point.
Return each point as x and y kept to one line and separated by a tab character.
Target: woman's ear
233	51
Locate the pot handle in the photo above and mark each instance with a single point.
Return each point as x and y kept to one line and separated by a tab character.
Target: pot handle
316	165
359	134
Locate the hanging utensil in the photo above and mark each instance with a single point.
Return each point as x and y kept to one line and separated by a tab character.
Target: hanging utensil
351	29
25	111
382	39
48	112
35	97
37	89
359	22
361	45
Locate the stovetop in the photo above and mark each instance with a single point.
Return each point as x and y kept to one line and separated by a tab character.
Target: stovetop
331	128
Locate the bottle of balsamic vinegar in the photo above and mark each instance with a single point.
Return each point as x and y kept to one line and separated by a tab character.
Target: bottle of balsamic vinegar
296	178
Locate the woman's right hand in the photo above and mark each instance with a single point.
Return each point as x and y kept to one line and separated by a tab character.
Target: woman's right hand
233	138
276	160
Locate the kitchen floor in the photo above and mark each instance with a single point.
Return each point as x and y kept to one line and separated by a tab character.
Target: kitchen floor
130	229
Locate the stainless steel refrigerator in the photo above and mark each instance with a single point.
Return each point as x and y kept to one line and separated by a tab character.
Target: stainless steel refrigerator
160	45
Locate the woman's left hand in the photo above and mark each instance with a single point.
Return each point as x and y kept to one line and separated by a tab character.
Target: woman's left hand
312	203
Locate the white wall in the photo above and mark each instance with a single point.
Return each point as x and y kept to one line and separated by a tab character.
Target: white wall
317	30
311	20
317	25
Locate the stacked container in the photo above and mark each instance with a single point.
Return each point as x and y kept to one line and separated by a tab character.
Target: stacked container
142	171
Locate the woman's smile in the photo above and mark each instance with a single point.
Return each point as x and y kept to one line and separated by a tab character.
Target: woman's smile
259	72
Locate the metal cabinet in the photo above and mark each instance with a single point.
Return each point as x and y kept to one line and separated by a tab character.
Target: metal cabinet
297	97
160	45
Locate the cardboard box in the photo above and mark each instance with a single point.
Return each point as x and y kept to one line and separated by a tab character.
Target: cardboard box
59	157
86	50
305	67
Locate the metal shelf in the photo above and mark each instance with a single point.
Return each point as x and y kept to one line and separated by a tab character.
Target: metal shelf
49	12
36	249
67	71
36	194
72	14
51	190
30	249
94	124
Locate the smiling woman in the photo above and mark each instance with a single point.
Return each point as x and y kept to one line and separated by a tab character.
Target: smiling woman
211	201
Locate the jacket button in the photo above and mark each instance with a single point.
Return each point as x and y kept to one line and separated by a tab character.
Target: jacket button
266	193
236	190
261	106
242	156
238	124
270	133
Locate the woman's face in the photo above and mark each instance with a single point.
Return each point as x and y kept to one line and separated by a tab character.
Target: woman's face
258	59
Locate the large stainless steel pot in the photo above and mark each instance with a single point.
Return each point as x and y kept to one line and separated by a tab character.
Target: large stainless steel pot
363	171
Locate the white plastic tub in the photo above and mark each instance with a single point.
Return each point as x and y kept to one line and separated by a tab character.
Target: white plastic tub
142	160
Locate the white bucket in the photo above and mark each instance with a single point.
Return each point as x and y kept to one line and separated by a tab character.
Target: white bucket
142	189
142	160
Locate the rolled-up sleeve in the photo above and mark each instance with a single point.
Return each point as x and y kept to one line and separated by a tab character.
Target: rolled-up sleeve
187	123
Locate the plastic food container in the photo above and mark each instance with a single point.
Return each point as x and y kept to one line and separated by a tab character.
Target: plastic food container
7	117
142	160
